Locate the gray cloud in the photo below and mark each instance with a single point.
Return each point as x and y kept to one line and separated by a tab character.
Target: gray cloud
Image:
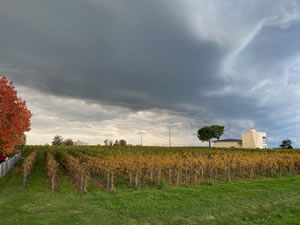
139	56
231	62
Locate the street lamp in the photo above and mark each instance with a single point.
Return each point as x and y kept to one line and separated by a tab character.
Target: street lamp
172	125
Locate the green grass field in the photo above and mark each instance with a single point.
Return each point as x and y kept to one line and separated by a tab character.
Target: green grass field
263	201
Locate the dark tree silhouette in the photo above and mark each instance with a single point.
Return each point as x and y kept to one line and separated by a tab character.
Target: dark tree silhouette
286	144
68	142
218	131
57	140
209	132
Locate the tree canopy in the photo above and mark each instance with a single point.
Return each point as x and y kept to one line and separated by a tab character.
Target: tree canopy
218	131
120	142
286	144
208	132
58	140
68	142
108	142
14	117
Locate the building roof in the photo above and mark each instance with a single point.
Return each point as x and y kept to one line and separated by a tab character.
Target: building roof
229	140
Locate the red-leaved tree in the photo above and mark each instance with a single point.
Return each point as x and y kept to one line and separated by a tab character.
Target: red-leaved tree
14	117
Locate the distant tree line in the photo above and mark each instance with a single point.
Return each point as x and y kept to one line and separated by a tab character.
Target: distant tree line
59	140
120	142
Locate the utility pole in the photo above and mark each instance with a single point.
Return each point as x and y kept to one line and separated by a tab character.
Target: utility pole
172	125
141	133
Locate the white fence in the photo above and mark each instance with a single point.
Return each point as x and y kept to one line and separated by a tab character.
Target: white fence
6	166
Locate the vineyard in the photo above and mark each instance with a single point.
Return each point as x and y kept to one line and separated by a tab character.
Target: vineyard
151	185
136	167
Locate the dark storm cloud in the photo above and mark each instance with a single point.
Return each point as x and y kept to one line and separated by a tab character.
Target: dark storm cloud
134	54
205	60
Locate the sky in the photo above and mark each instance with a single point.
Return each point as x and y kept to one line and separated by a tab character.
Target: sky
96	69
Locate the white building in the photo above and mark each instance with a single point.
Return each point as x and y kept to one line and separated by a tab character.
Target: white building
251	139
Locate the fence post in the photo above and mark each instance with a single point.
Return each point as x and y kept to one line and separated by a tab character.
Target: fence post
1	170
6	167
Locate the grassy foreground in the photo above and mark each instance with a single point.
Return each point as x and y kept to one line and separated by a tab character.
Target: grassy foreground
265	201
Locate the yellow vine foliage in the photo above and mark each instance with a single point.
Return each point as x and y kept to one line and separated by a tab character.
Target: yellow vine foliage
191	169
78	172
51	168
28	165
